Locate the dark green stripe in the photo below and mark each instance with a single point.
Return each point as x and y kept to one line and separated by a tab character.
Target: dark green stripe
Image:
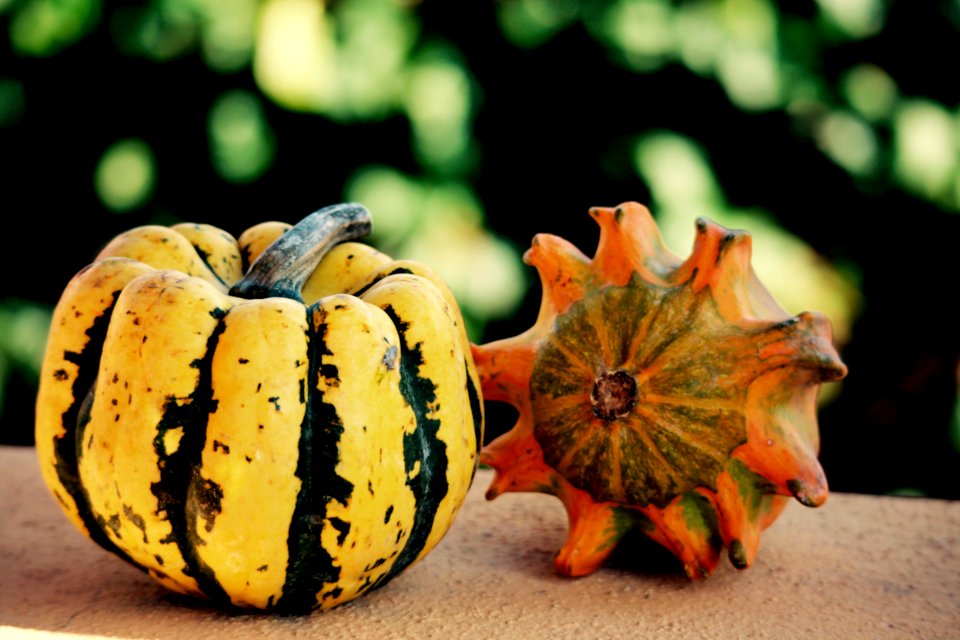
399	270
67	449
476	411
205	258
429	486
182	493
309	565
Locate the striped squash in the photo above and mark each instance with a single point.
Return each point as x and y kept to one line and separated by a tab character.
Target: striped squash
285	440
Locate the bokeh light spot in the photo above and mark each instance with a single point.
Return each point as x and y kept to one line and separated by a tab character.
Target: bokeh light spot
751	77
394	200
348	63
849	142
241	141
125	176
870	91
856	18
437	101
530	23
676	169
23	334
45	27
642	30
228	30
700	35
293	61
925	144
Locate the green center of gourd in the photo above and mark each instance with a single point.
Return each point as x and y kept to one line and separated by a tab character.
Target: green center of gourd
638	393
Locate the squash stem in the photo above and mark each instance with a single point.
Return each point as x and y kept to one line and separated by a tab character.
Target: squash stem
285	265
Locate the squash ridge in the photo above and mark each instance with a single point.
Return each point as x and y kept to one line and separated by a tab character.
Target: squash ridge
309	565
476	410
182	493
68	447
424	452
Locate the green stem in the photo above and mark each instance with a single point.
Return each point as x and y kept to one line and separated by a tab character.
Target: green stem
285	265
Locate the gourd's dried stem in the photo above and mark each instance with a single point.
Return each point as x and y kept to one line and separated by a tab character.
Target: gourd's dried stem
285	265
614	395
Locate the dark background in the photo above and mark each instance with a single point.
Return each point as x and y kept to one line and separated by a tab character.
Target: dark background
551	129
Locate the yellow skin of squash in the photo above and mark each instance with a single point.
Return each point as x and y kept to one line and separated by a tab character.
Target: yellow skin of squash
168	291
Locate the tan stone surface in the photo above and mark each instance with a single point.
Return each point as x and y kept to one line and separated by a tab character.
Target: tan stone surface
860	567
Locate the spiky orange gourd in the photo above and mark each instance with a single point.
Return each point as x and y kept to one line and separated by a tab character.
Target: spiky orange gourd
671	395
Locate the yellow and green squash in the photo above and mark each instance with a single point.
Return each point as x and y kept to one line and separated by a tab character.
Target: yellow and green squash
285	421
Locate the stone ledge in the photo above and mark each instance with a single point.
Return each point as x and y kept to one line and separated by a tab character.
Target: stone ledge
859	567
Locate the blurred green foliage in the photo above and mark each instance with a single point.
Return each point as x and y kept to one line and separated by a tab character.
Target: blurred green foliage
242	145
264	73
23	336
